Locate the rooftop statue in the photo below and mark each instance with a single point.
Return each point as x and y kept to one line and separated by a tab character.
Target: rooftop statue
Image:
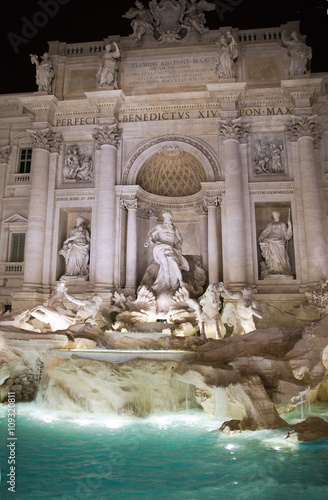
300	54
141	21
44	72
227	55
107	75
273	242
168	20
194	16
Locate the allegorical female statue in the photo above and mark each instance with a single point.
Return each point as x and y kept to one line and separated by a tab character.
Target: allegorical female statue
108	68
227	55
273	242
76	250
300	54
44	72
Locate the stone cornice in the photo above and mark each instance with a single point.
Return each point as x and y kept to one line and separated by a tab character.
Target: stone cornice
42	107
75	194
108	102
209	190
265	188
304	92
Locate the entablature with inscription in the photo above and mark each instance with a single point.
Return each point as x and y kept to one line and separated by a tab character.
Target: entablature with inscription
271	188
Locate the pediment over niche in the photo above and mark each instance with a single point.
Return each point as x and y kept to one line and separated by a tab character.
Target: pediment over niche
15	219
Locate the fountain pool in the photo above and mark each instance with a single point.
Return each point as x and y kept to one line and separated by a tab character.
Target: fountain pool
68	456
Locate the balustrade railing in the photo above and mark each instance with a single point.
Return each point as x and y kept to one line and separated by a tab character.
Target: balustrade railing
14	267
22	178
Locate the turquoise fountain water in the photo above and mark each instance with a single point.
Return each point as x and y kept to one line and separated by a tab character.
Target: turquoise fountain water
175	456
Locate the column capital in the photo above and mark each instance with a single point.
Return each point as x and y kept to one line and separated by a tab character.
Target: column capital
45	139
232	129
107	134
5	152
201	209
129	204
211	201
304	126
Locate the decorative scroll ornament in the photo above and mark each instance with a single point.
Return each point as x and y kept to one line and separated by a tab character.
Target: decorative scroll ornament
45	139
232	129
108	134
5	152
304	126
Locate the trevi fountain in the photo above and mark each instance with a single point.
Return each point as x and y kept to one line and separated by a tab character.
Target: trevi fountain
163	277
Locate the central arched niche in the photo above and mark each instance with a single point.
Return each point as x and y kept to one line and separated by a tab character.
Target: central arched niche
171	172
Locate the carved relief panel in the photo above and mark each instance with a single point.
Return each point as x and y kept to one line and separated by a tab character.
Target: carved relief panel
269	157
78	164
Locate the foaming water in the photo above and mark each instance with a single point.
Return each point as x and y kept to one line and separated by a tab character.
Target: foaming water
69	455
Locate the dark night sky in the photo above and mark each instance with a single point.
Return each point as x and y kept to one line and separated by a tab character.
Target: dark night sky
94	20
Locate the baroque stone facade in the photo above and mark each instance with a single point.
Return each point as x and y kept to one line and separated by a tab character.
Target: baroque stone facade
167	130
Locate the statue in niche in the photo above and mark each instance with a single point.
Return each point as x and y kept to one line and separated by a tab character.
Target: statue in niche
240	316
54	314
227	55
268	157
44	72
77	166
194	16
141	21
300	54
167	254
108	68
273	242
76	250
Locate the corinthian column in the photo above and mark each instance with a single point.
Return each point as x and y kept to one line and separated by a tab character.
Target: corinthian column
106	138
213	240
131	246
44	142
5	152
234	251
307	132
203	235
